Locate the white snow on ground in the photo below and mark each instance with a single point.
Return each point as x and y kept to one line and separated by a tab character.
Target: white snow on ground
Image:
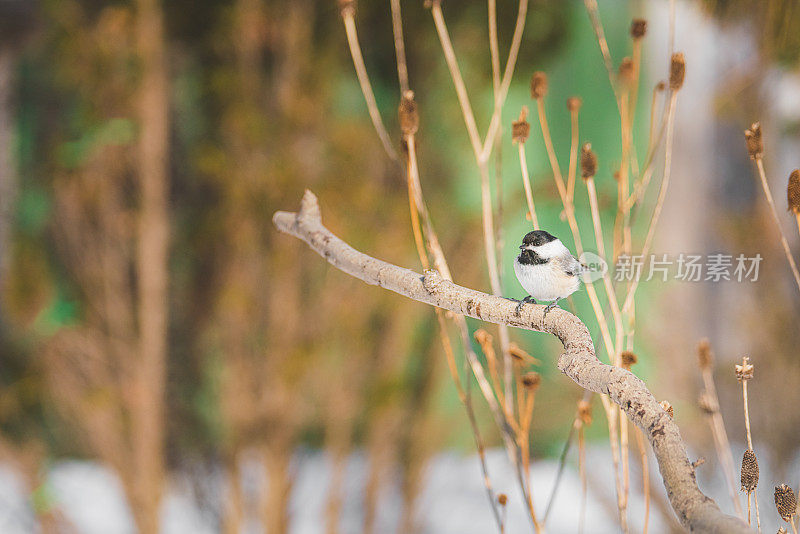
453	499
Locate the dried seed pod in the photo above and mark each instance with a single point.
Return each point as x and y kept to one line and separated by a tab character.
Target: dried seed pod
538	85
628	359
660	86
520	356
785	502
677	71
521	128
744	371
531	380
502	499
705	357
707	404
749	471
793	192
755	146
638	28
588	162
668	408
626	71
585	412
574	103
409	117
347	7
482	336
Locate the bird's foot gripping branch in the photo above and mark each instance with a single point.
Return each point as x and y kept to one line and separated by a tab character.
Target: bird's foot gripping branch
696	511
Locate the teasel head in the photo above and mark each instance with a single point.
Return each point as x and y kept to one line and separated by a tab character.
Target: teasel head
625	73
520	356
785	502
793	192
347	7
585	412
482	336
677	71
668	408
705	357
749	471
409	117
755	146
706	403
521	128
744	371
588	162
502	499
531	381
628	359
574	103
538	85
638	29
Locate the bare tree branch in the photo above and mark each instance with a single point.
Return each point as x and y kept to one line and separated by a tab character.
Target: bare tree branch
696	511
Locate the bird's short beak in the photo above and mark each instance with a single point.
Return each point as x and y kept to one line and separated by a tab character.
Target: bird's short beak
521	247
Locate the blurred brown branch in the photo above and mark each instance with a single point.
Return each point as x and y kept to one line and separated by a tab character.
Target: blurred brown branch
696	511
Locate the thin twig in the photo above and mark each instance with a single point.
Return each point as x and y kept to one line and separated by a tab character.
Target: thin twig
482	152
661	197
494	47
562	459
645	478
455	74
721	438
399	46
573	154
597	26
582	473
366	87
784	242
526	182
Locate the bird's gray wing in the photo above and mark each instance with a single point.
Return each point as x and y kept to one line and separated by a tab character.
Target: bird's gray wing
569	265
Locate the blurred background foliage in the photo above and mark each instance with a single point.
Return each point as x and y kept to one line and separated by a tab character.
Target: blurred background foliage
269	349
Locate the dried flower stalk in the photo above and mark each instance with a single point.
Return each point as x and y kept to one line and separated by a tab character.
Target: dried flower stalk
756	149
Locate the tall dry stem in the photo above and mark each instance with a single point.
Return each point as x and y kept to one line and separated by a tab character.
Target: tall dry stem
348	17
710	404
152	265
768	195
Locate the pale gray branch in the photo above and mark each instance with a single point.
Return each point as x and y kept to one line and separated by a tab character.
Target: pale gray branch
696	511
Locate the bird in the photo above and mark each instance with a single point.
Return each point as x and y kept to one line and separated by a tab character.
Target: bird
546	269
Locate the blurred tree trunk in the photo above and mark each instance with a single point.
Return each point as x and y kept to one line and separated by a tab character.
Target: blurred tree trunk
152	265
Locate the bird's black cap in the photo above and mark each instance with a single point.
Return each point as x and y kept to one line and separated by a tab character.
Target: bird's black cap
537	238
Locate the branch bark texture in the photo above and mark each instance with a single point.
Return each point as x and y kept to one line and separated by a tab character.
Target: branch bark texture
696	511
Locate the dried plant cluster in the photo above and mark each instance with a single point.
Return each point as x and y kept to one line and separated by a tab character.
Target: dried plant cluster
505	382
785	498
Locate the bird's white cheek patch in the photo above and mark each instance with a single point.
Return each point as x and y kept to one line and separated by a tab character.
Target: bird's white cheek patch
551	249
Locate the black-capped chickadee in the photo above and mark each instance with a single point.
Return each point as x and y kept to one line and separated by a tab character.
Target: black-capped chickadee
546	269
